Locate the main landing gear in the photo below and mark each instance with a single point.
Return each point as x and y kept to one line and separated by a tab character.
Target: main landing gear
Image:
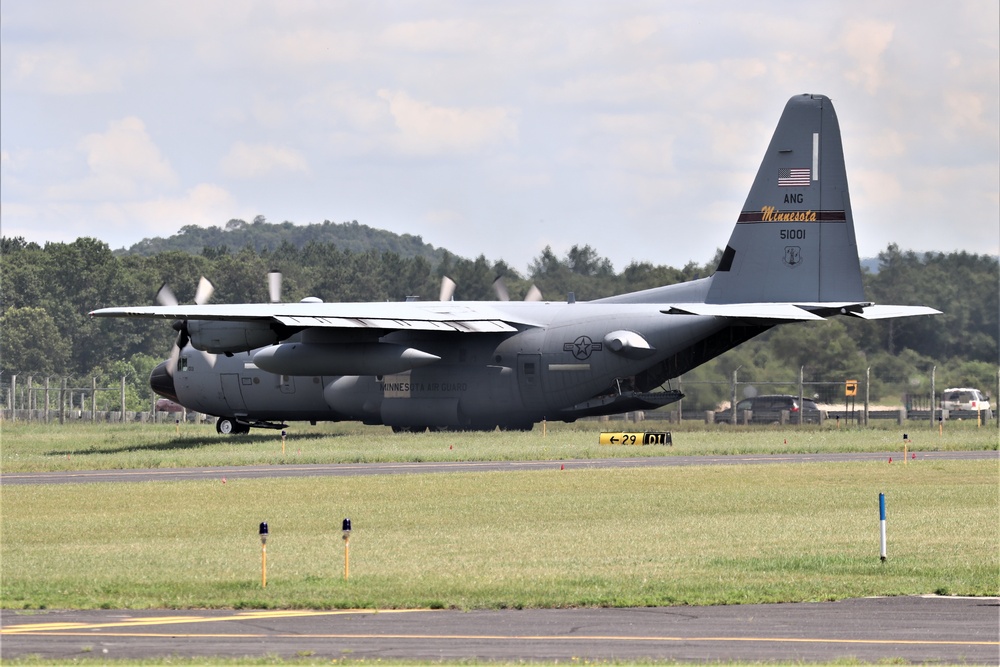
227	426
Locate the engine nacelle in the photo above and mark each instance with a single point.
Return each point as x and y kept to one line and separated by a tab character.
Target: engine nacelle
221	336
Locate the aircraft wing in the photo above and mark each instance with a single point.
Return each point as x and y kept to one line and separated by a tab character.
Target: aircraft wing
409	316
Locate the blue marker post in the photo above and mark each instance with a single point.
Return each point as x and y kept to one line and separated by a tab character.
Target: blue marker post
881	516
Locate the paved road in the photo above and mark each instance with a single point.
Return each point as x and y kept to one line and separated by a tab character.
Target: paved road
910	629
353	469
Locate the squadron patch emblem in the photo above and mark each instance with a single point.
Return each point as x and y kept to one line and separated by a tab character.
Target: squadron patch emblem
793	256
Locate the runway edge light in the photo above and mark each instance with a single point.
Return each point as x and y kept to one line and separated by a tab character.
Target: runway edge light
263	554
881	521
346	528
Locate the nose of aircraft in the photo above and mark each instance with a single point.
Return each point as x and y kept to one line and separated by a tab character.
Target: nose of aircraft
162	382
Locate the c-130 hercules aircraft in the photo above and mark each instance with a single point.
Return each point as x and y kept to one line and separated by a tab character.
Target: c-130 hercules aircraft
792	257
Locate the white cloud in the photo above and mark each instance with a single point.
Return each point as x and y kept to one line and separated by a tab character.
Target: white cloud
121	222
425	129
966	113
434	36
876	188
256	160
123	163
204	205
866	41
59	71
309	46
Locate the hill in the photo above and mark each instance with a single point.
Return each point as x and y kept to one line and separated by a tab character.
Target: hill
265	236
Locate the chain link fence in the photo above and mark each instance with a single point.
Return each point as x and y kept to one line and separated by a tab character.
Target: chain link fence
846	400
62	400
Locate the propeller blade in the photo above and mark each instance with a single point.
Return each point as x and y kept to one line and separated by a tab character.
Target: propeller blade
500	287
447	289
274	286
175	354
204	292
209	358
165	296
183	336
534	294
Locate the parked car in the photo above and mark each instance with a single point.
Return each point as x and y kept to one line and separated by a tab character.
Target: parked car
768	409
964	398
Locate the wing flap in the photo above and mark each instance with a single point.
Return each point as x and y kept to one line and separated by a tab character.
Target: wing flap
786	312
466	326
383	316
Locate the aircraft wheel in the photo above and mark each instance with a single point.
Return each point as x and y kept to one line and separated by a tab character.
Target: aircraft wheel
226	426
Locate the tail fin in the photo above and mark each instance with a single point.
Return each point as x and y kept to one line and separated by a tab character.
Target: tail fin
794	240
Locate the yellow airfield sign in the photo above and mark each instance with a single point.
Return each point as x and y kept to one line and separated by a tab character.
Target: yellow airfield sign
851	388
639	439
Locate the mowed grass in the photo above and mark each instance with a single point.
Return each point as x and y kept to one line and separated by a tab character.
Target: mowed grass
547	538
28	447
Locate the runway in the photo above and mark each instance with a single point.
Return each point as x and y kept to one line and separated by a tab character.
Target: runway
910	629
355	469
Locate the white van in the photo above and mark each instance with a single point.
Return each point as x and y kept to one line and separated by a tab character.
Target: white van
964	398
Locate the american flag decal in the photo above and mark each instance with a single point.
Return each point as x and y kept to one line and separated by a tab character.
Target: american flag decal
793	178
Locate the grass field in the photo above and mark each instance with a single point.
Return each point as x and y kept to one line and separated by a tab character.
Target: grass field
550	538
84	446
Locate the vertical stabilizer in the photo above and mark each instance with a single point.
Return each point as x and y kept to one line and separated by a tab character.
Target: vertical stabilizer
794	240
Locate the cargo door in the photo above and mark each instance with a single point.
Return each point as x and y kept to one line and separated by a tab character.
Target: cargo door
529	379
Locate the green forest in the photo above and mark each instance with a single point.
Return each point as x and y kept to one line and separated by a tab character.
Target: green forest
48	290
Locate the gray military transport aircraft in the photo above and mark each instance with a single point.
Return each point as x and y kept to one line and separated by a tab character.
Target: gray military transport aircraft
792	257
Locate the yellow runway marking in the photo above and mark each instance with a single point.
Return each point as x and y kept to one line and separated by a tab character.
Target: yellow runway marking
104	630
563	638
66	628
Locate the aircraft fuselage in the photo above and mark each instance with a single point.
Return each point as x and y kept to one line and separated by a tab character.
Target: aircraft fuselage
576	353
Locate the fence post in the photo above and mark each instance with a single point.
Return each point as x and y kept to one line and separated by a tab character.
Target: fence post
933	370
868	384
47	402
802	393
733	417
62	401
123	399
93	399
680	403
28	406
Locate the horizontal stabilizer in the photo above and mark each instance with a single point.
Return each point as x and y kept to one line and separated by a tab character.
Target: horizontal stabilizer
788	312
885	312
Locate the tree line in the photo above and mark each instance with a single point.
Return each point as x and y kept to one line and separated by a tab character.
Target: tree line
47	291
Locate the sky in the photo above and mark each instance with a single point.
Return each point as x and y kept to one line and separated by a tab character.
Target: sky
491	128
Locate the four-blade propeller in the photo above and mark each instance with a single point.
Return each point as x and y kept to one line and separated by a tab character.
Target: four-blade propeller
166	297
